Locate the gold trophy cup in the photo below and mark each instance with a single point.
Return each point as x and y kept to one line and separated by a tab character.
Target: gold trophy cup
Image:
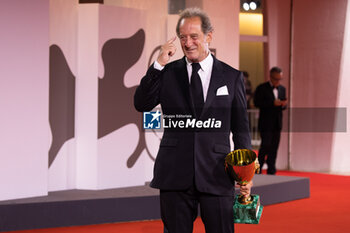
241	165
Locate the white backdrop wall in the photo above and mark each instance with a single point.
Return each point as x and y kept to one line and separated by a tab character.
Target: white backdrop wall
225	20
63	37
107	149
318	49
123	159
340	154
24	135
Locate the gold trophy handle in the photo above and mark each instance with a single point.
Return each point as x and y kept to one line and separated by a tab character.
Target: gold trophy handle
257	166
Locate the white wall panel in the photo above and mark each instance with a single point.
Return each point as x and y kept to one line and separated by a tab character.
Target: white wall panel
63	34
340	155
123	159
24	134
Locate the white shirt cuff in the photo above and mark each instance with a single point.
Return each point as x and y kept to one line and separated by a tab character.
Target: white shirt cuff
157	66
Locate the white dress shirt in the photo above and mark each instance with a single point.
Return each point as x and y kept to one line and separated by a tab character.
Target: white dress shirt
204	72
275	91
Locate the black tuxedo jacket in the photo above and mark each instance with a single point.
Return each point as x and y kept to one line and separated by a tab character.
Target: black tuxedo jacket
188	156
270	116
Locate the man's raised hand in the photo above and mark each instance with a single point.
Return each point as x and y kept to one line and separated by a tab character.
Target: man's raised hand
167	50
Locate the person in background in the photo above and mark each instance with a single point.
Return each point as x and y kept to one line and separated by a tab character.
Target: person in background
270	98
189	168
248	89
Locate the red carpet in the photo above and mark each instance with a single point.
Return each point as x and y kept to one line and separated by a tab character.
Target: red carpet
327	210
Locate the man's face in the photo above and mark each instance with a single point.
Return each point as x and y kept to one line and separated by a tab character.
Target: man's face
275	78
194	43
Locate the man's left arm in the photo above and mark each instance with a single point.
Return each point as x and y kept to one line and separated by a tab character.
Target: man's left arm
239	116
240	125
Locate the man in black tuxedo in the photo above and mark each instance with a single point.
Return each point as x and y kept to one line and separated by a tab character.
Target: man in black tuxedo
270	98
189	168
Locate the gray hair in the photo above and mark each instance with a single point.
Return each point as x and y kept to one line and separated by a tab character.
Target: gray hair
195	12
275	69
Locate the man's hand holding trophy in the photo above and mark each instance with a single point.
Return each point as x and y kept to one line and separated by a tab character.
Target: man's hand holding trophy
241	165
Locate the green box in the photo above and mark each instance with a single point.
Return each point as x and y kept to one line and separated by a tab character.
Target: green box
250	213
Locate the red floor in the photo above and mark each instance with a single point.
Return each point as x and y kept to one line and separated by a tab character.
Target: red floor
327	210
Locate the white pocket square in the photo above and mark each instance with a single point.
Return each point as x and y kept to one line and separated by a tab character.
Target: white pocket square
222	91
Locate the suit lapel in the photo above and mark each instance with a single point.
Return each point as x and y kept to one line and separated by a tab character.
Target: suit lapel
280	92
216	81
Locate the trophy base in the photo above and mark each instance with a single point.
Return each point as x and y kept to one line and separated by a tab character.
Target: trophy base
248	214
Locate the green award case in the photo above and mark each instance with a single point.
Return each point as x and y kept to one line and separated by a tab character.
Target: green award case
250	213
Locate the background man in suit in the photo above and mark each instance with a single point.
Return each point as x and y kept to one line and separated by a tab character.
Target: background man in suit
189	168
270	98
